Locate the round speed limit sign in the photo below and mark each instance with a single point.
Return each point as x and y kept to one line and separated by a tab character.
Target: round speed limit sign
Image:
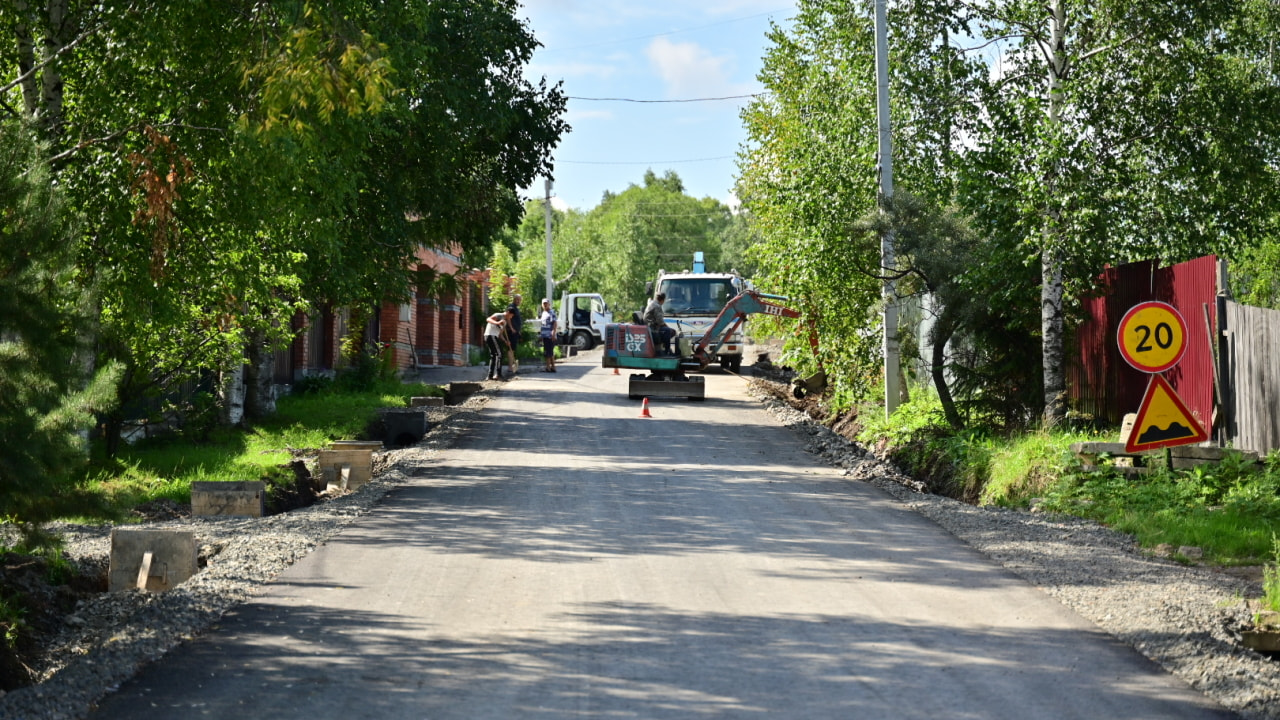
1152	337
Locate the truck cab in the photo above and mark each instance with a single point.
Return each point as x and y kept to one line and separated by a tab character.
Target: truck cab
693	300
581	320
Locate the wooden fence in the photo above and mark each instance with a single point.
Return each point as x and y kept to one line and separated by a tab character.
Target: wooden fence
1250	350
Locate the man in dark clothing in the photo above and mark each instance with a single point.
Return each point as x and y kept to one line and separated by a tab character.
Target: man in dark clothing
656	319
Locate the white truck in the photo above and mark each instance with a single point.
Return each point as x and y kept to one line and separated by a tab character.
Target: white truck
581	320
694	299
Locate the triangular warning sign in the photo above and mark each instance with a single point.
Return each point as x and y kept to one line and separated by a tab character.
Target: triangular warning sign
1163	420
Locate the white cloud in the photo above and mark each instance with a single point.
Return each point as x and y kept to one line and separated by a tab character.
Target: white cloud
690	70
558	204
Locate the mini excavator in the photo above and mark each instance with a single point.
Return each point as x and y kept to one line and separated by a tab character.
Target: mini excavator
633	346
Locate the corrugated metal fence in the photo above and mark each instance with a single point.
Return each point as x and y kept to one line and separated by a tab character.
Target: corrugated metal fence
1252	376
1101	383
1231	346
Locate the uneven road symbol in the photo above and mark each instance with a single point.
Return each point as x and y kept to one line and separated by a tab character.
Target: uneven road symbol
1163	420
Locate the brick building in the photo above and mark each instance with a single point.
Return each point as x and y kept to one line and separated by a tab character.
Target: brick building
441	329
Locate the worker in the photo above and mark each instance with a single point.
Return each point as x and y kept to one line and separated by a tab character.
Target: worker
495	335
515	324
547	333
657	322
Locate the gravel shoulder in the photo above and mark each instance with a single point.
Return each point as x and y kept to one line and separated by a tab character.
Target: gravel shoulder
1187	619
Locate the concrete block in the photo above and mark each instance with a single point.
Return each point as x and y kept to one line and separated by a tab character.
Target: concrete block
1261	640
428	401
356	445
229	498
458	392
1126	427
358	460
405	426
173	558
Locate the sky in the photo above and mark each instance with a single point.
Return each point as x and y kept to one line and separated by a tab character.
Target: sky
649	50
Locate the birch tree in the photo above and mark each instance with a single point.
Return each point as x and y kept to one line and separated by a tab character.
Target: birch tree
1073	134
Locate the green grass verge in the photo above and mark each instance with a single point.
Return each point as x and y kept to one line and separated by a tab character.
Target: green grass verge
1230	510
164	468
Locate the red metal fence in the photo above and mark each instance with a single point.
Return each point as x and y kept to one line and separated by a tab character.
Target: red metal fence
1101	383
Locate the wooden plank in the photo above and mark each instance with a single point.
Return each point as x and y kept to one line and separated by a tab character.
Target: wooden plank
144	571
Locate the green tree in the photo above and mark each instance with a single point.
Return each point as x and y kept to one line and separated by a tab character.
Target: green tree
633	234
47	399
1092	133
239	161
1142	129
805	180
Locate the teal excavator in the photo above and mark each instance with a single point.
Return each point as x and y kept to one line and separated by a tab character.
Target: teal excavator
632	346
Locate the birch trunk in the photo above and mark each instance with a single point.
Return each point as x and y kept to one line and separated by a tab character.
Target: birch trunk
259	378
1052	330
50	78
27	60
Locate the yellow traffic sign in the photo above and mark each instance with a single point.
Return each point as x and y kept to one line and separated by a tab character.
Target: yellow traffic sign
1152	336
1163	420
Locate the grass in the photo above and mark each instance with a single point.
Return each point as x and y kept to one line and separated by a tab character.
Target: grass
164	468
1230	510
1271	578
12	620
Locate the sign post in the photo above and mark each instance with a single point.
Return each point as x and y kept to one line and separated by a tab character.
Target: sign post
1152	338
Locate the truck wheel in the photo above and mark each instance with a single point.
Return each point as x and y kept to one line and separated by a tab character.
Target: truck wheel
582	341
735	365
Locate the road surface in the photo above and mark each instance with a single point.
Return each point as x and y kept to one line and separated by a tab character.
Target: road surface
570	559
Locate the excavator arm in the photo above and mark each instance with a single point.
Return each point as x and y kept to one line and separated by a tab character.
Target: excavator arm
748	302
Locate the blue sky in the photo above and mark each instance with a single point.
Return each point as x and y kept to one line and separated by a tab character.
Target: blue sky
649	50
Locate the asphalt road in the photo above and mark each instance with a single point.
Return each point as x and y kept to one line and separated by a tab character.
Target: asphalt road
572	559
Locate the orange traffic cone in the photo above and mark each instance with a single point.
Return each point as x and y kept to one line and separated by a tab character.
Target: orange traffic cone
644	409
615	370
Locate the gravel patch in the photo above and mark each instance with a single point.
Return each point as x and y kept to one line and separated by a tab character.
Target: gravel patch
109	638
1187	619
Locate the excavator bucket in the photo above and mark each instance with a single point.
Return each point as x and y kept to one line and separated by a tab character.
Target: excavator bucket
815	383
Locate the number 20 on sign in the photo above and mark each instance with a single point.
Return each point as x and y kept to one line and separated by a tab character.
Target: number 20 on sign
1152	337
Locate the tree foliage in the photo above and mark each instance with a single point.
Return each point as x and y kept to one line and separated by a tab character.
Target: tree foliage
1070	134
623	242
237	161
46	397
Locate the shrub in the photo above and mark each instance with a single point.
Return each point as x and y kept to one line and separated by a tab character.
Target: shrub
1271	578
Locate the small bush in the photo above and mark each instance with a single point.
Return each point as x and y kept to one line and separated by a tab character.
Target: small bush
312	385
1271	578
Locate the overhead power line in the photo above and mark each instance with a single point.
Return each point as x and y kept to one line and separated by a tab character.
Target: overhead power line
682	100
645	162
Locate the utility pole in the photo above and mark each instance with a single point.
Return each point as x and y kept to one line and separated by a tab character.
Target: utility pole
892	391
550	284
